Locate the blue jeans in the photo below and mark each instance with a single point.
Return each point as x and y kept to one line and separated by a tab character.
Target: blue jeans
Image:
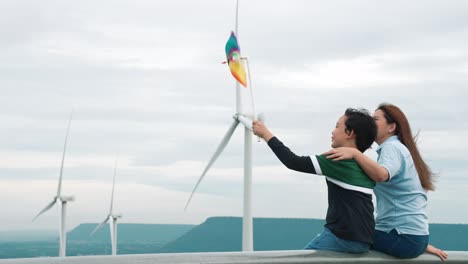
399	245
328	241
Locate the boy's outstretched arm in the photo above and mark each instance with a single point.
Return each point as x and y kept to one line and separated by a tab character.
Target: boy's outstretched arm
283	153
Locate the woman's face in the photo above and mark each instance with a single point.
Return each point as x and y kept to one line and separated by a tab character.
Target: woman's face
384	129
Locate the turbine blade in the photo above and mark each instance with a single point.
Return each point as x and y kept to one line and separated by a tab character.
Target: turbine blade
100	225
59	188
113	185
218	151
46	208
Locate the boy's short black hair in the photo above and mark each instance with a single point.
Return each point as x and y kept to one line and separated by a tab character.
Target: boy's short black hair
363	125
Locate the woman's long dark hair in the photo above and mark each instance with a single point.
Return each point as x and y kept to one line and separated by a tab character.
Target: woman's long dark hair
393	114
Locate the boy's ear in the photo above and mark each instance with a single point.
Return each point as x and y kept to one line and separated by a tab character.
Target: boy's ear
350	133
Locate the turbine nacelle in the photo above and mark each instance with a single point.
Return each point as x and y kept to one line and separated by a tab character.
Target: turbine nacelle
67	198
116	216
247	120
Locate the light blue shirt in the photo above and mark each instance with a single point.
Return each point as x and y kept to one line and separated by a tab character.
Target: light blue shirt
401	200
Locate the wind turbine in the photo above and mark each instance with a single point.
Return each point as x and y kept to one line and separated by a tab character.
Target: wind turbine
246	120
111	215
63	201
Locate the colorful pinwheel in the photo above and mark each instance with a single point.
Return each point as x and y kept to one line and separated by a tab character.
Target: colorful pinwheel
234	60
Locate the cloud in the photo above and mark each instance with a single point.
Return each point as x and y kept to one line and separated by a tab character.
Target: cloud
146	81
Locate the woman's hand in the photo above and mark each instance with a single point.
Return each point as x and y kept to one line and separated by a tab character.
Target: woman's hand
433	250
342	153
259	129
372	169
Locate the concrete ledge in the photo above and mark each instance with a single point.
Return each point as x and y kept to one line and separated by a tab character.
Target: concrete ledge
290	256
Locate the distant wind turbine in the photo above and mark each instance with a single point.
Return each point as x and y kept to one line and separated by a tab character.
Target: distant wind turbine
111	215
235	60
63	201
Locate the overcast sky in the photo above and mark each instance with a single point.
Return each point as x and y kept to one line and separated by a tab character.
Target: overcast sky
145	80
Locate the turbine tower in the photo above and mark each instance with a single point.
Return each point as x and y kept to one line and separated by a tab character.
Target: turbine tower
111	216
63	201
246	120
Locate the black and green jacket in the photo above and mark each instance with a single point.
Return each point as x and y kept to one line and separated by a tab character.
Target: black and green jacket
350	209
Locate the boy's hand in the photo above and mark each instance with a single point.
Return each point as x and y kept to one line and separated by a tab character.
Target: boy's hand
259	129
342	153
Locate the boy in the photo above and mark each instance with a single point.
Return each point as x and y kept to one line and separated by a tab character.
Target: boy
350	221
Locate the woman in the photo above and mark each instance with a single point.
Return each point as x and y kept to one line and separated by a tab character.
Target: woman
403	179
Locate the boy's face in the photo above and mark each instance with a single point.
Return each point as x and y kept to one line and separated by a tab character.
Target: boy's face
339	136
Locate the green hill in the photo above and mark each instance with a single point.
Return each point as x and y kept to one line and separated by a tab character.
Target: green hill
127	233
132	239
218	234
